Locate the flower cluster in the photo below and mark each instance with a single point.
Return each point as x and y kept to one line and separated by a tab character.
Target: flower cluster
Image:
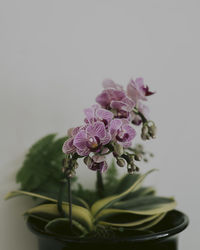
108	126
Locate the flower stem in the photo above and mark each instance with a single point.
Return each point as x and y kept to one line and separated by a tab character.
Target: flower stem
60	198
137	112
99	185
70	202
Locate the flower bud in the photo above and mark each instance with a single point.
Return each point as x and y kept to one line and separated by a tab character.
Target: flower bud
145	132
137	168
148	130
152	130
138	157
88	160
130	170
118	149
121	162
76	164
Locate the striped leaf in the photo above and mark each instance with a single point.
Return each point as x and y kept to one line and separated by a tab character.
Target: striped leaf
107	202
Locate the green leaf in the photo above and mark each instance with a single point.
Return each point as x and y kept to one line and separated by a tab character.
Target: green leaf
152	223
61	226
147	205
80	214
20	192
110	179
107	202
75	200
142	191
42	168
126	182
123	218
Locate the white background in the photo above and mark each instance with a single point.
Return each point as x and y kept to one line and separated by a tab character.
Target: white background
53	58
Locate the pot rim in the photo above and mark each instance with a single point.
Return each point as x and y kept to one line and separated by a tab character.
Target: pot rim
135	238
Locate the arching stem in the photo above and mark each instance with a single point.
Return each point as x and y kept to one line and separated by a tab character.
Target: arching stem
99	185
70	202
60	198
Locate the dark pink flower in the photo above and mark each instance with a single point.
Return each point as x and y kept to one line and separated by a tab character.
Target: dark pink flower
136	90
91	139
122	132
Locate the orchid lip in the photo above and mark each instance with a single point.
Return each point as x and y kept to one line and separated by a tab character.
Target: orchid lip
122	114
93	143
105	122
147	91
122	139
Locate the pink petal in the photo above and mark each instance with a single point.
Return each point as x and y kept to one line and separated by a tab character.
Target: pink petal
68	147
80	140
83	152
115	95
103	99
75	131
126	144
114	126
106	139
118	105
89	113
98	158
144	110
129	102
97	129
108	83
130	131
139	83
104	114
135	90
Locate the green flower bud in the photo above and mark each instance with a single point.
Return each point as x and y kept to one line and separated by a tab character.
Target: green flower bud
87	160
145	132
130	171
138	157
76	164
118	149
152	130
121	162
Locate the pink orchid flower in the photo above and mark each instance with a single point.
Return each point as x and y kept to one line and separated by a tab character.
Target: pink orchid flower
136	90
122	132
91	139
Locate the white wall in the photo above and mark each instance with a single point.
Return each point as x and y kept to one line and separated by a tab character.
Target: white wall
53	58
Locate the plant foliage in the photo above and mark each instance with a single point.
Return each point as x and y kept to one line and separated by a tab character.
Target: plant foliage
41	170
135	208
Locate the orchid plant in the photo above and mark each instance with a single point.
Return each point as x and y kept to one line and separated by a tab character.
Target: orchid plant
108	129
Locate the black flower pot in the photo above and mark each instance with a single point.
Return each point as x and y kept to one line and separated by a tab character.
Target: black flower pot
163	236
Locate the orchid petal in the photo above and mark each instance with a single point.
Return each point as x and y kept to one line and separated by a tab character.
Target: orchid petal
104	114
130	131
80	140
68	146
114	126
97	129
98	158
108	83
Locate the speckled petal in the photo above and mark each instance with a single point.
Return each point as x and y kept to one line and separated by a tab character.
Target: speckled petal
80	140
96	129
114	126
68	147
104	114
